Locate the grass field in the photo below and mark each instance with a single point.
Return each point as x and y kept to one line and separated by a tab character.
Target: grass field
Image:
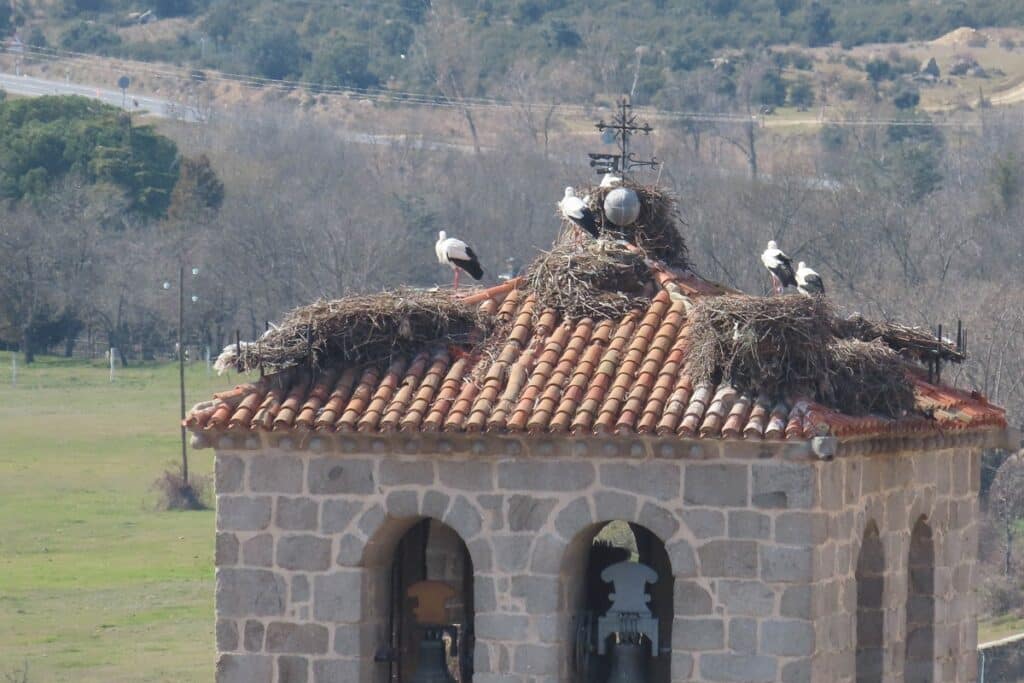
96	584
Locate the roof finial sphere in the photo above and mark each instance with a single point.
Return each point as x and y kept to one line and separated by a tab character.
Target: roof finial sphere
622	206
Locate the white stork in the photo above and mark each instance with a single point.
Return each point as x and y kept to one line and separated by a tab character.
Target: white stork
780	266
576	210
808	281
457	254
611	180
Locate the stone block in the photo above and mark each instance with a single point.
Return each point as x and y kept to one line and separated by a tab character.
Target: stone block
728	559
338	513
691	599
402	504
799	671
503	627
227	635
733	668
704	523
250	593
435	504
682	665
482	554
299	639
464	518
304	552
395	472
717	485
782	485
527	513
747	598
258	551
275	474
573	518
245	669
253	635
783	564
653	479
297	514
698	634
292	669
658	520
545	475
335	670
371	520
348	640
801	528
743	635
682	558
796	602
337	597
787	637
613	505
485	596
749	524
540	594
511	552
242	513
536	659
226	552
350	550
547	556
333	475
472	475
229	474
300	588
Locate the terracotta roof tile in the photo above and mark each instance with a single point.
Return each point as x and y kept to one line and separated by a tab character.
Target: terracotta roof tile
554	376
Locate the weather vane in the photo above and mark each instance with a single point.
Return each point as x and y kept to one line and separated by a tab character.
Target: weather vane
623	126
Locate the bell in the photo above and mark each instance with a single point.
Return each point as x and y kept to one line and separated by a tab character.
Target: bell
431	665
629	662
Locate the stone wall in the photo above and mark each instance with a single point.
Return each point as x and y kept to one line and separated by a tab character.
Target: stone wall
762	552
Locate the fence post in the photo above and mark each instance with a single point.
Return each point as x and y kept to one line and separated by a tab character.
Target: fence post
14	369
113	355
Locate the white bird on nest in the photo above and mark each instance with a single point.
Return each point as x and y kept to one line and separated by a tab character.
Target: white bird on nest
808	281
611	180
779	265
576	210
458	255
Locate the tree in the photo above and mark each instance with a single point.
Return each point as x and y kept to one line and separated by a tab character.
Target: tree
878	70
1006	501
198	192
273	50
819	24
342	62
786	6
171	8
85	36
801	94
906	97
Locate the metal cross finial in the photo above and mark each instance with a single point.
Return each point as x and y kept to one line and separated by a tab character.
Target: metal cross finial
624	125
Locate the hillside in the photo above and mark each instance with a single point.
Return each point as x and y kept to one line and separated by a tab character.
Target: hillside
568	49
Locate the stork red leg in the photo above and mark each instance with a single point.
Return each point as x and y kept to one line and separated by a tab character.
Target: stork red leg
456	270
776	284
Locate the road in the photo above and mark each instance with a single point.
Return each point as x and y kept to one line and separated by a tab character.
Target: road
30	86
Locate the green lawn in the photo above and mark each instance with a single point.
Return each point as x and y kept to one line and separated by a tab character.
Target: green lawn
96	584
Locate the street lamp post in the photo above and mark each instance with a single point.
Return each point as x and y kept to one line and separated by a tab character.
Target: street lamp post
181	364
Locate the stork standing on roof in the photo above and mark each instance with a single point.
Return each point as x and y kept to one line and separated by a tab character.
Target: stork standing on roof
808	281
576	210
457	254
780	266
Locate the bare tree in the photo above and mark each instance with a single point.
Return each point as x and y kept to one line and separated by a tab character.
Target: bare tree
1006	501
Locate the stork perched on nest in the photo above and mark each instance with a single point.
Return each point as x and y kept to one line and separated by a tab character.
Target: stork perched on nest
576	210
457	254
780	266
808	282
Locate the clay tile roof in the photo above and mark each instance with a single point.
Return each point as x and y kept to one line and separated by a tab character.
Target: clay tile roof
552	376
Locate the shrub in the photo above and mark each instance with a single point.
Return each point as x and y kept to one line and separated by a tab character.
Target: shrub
86	36
175	494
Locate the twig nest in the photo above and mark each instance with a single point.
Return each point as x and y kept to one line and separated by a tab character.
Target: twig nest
622	206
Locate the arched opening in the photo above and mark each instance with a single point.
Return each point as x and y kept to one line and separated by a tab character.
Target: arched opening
870	576
919	656
619	585
420	600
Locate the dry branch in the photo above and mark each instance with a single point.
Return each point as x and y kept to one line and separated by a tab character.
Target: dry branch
869	377
920	344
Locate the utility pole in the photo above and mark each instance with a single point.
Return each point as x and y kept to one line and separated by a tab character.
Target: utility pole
181	371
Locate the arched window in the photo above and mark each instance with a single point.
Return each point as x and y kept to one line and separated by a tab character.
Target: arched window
870	575
601	563
422	590
919	659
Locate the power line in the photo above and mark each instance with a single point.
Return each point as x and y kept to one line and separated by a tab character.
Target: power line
422	99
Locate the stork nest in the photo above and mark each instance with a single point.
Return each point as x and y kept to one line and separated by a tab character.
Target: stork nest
868	377
600	280
914	342
770	345
655	231
358	330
